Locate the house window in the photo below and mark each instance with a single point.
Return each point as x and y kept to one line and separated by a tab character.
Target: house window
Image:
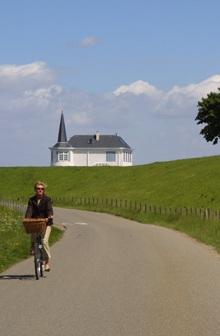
63	156
124	156
127	157
110	156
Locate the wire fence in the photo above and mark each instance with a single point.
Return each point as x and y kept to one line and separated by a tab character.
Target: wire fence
14	205
94	203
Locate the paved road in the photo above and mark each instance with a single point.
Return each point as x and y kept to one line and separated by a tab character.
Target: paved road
113	277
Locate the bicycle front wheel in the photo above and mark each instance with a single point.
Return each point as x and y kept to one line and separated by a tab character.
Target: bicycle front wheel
37	262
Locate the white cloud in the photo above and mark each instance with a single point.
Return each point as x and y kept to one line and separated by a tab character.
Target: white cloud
80	118
192	90
44	93
89	41
147	117
36	70
17	71
178	101
138	88
198	90
185	98
15	80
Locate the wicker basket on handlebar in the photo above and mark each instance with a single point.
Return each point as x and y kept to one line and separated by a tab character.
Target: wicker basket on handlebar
35	225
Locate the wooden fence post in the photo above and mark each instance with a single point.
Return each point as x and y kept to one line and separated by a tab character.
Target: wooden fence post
207	213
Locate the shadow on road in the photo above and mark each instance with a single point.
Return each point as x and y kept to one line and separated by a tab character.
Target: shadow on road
17	277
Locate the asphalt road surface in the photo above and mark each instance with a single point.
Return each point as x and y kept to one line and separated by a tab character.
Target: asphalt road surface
114	277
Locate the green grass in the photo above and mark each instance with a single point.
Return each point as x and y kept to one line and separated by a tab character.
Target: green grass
189	183
182	183
14	242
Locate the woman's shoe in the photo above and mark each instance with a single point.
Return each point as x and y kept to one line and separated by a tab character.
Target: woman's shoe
47	268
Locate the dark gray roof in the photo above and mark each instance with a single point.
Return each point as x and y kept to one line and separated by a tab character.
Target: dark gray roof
88	141
62	145
62	130
105	141
62	138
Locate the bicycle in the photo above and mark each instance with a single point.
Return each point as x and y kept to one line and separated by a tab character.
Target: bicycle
37	227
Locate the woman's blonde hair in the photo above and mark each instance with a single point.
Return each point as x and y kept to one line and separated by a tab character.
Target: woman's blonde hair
40	183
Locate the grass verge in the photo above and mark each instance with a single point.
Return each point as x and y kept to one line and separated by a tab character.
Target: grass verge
14	242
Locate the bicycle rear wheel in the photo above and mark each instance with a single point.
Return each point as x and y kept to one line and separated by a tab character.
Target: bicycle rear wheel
41	261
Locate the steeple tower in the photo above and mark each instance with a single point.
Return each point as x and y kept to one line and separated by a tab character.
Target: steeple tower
62	130
60	152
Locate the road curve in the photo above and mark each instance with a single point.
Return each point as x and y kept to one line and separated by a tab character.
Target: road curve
115	277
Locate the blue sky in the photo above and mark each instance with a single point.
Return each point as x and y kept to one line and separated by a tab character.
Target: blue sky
90	49
164	42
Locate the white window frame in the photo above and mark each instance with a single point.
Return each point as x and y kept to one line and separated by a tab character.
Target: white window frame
127	156
63	156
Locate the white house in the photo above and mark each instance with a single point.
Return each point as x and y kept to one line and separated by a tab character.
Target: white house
90	150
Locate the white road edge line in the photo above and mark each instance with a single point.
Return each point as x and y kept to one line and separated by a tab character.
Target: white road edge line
74	224
80	223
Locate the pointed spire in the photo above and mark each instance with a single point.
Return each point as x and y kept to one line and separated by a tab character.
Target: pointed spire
62	130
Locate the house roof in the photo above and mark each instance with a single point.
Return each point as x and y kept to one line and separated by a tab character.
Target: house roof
105	141
62	138
62	130
62	144
88	141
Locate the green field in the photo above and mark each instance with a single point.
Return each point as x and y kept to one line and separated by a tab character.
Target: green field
190	183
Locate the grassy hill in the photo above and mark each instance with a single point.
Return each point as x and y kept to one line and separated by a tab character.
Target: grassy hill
191	182
182	183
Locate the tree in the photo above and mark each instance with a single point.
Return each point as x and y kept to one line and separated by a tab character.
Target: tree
209	114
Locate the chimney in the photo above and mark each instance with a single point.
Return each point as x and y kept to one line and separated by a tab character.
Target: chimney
97	136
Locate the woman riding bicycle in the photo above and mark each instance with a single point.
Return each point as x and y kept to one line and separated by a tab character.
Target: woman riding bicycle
40	206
